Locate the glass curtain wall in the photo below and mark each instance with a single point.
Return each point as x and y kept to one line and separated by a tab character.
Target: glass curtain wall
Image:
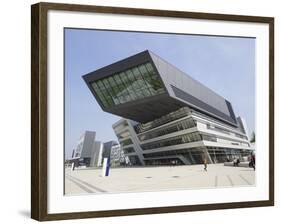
133	84
181	139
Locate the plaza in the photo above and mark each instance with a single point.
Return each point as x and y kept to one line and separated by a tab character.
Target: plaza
161	178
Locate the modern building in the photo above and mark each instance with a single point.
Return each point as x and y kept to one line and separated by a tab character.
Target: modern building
168	117
88	152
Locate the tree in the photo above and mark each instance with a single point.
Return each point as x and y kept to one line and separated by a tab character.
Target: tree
253	138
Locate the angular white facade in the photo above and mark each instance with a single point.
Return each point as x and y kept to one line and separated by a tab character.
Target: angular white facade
88	151
181	137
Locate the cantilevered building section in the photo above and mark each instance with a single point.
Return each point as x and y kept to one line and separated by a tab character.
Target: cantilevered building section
168	116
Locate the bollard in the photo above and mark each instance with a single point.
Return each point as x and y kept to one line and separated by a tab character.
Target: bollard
72	166
105	167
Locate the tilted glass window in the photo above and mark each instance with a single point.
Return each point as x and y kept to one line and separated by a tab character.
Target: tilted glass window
178	126
129	150
181	139
100	95
133	84
126	142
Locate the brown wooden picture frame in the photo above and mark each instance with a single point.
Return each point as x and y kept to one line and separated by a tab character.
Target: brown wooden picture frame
39	105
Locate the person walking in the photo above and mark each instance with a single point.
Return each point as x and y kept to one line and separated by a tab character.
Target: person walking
234	161
205	164
253	161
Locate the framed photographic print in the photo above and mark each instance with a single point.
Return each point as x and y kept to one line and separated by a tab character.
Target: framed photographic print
141	111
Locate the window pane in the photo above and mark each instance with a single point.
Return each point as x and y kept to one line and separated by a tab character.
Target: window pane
95	86
106	92
124	78
111	81
130	76
119	83
114	90
149	67
100	85
100	95
136	73
109	89
125	82
143	70
134	85
146	77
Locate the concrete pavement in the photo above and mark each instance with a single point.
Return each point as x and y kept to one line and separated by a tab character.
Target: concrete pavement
87	181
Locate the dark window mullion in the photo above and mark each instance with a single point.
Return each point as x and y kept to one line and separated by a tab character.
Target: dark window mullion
102	91
118	86
108	94
134	79
145	80
155	79
109	89
125	84
113	85
129	85
147	65
101	97
138	81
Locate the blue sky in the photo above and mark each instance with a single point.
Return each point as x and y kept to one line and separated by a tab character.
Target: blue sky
224	64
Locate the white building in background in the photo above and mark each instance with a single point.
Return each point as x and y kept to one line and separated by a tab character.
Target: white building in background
88	151
117	156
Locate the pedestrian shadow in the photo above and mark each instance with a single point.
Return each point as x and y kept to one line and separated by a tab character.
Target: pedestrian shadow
24	213
247	170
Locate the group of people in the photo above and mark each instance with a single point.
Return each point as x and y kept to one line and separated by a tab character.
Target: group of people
236	162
